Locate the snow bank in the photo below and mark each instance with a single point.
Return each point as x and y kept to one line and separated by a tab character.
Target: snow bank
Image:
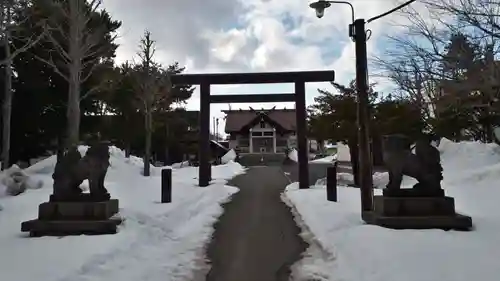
229	156
293	155
156	242
343	152
180	165
344	248
15	181
327	159
117	160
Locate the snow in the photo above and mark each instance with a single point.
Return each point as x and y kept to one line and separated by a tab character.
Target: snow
229	156
180	165
15	181
343	153
156	241
344	248
327	159
293	155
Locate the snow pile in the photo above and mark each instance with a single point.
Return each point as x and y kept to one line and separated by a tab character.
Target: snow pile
180	165
117	160
327	159
344	248
381	179
293	155
229	156
157	241
15	181
343	153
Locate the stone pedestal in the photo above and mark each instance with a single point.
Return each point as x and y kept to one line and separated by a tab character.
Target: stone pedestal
74	218
411	210
413	192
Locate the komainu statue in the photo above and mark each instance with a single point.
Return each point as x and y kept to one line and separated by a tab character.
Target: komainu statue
424	165
72	169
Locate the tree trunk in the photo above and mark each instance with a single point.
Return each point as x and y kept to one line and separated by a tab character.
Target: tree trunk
75	66
147	152
167	144
127	150
127	136
7	102
7	111
60	146
73	109
488	126
321	147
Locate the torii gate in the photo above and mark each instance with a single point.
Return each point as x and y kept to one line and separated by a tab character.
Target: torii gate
299	97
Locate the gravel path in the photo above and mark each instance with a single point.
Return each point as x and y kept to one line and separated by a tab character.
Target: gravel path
256	239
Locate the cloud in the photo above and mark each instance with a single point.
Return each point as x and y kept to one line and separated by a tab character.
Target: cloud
248	36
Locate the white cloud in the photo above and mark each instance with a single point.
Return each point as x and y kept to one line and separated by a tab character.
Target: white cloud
247	36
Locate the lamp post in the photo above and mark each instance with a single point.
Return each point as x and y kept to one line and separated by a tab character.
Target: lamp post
358	34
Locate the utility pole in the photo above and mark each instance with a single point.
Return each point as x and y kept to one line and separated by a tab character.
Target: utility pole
365	161
357	31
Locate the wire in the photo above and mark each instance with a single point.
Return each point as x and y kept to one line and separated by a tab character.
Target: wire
368	34
391	11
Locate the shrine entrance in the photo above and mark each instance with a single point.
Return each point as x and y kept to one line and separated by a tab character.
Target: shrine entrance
299	97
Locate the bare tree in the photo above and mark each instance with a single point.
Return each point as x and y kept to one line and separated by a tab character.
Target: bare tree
9	28
412	61
77	46
481	15
152	88
421	66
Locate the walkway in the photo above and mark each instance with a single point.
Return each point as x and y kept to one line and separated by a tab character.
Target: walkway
256	239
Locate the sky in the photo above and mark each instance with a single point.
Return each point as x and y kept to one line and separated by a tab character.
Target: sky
220	36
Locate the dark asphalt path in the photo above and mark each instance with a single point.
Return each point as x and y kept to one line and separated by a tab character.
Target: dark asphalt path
256	239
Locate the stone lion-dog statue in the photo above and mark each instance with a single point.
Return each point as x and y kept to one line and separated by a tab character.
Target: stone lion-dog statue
72	169
424	165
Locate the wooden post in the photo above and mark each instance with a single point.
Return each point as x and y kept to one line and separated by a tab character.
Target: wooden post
204	136
303	152
166	185
331	183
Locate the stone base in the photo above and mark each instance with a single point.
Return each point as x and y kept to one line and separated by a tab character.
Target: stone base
82	197
78	210
455	222
416	213
38	227
412	192
74	218
413	206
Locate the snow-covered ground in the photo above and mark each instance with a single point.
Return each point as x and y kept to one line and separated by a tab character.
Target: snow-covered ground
327	159
343	248
157	242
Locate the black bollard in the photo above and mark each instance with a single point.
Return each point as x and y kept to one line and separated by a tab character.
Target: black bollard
331	183
166	185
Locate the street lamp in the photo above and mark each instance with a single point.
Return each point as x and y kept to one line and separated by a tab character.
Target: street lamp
358	34
320	7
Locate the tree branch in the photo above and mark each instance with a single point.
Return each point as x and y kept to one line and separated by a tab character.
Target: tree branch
53	65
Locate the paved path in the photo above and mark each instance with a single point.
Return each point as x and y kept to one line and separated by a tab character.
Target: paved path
256	239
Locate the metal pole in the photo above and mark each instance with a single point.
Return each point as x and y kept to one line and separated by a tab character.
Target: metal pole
365	163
